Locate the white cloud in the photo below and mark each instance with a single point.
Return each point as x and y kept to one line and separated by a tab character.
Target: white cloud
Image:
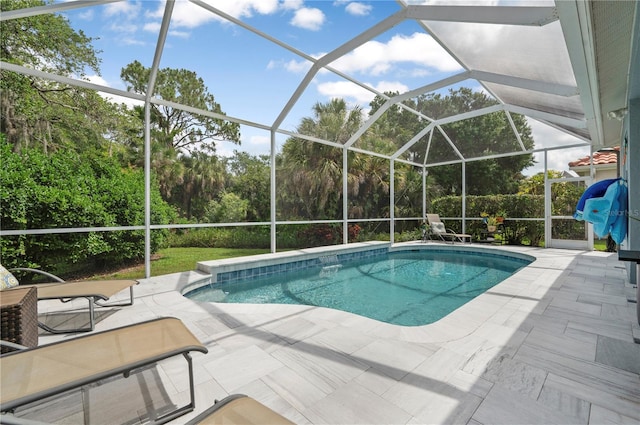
124	27
558	159
130	41
295	66
376	58
153	27
129	10
87	15
181	34
308	18
185	15
345	90
189	15
391	86
292	4
352	92
358	9
260	143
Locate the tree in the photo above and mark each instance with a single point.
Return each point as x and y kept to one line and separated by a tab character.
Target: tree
203	178
249	177
45	113
564	196
176	128
534	185
473	137
311	173
231	208
183	143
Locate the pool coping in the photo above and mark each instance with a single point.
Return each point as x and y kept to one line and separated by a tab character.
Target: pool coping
453	326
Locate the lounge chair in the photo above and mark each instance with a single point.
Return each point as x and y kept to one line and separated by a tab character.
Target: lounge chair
241	410
437	228
34	374
95	291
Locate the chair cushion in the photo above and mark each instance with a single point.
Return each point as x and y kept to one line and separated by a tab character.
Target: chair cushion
7	280
438	227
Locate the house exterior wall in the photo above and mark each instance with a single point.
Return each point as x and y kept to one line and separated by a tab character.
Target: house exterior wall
631	155
602	172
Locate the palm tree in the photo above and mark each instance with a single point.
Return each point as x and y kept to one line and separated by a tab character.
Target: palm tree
312	172
204	177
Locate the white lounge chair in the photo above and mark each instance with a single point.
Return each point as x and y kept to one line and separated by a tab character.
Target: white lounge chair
437	228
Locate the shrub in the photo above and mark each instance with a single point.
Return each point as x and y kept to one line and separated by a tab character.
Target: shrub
222	237
62	190
512	206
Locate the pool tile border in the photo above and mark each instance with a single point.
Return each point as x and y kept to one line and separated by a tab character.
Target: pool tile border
261	266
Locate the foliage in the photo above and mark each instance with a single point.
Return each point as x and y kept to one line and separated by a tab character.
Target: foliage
289	236
564	198
63	190
534	185
105	188
46	42
183	143
37	112
474	137
311	235
218	237
516	206
309	173
172	127
250	178
408	235
230	209
201	180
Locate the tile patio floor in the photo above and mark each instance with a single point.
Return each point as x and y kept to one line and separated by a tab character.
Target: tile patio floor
553	344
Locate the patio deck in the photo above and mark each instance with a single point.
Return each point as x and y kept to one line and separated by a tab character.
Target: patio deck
552	344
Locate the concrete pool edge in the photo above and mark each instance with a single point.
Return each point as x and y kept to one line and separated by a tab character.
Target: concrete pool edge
454	326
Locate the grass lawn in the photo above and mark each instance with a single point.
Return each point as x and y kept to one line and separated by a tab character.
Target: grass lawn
600	244
174	260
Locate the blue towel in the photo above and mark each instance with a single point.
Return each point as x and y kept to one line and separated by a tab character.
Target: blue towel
608	212
619	226
596	190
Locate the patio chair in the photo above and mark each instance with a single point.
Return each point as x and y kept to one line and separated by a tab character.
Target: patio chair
35	374
437	228
95	291
241	410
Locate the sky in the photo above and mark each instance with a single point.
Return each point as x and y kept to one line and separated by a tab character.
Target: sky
253	79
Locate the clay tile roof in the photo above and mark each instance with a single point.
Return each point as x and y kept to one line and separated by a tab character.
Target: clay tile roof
599	158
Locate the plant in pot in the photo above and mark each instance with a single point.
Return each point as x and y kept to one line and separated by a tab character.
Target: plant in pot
490	221
492	224
500	216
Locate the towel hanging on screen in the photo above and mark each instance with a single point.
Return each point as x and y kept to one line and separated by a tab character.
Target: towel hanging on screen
608	212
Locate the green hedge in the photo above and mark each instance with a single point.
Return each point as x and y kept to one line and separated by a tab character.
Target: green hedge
515	206
291	236
64	190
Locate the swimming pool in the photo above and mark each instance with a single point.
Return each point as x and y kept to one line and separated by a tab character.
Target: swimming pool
409	288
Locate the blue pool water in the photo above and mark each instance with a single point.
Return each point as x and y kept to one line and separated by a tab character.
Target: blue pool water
408	288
